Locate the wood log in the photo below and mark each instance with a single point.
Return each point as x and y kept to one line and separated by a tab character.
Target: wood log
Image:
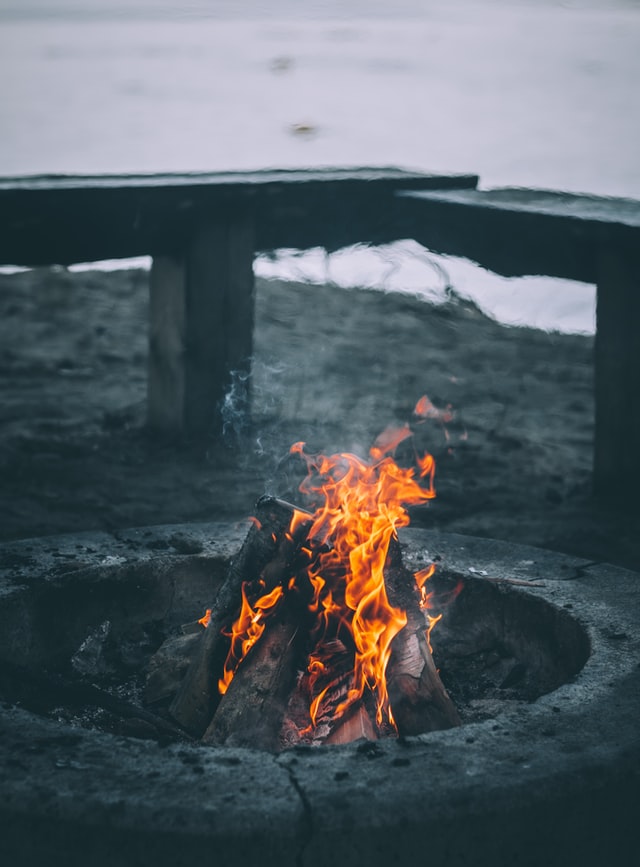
355	725
168	665
251	712
418	699
265	546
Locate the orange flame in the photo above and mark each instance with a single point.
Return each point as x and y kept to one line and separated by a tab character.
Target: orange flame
205	620
246	631
432	622
421	580
425	409
362	505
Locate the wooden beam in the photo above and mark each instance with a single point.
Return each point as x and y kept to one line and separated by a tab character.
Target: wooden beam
617	375
201	336
516	231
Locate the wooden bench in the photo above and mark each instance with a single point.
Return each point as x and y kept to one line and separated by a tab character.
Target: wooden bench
579	237
203	231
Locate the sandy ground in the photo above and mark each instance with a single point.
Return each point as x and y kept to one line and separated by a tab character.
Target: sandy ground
332	367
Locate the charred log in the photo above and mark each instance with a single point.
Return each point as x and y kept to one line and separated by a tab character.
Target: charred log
169	664
251	711
418	699
264	556
265	704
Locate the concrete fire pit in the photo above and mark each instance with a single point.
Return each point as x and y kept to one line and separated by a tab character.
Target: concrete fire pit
552	780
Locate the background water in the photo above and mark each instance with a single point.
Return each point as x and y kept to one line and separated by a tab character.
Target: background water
542	95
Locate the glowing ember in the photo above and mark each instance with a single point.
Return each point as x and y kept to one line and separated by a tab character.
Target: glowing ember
206	618
359	506
425	409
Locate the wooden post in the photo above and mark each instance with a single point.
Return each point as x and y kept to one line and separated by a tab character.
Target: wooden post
201	331
167	322
617	375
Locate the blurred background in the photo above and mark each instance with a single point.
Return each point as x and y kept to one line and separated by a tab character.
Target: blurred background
540	94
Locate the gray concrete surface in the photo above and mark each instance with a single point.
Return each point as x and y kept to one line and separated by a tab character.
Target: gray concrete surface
555	781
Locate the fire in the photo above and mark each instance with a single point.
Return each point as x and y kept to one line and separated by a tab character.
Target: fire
360	504
246	631
205	620
421	580
425	409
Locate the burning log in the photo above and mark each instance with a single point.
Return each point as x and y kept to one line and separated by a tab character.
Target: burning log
251	711
325	592
418	698
264	555
353	726
366	598
332	682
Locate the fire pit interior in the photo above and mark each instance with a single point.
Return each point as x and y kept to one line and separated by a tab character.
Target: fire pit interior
538	652
263	657
78	647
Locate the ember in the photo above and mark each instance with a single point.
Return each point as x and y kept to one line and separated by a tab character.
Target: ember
326	595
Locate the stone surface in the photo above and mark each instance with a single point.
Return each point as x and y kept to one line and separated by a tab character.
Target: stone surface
556	781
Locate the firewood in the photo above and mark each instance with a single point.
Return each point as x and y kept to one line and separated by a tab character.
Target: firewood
418	699
251	712
353	726
263	555
355	723
169	664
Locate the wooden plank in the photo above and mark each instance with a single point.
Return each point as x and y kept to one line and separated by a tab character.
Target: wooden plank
617	379
518	231
232	179
61	220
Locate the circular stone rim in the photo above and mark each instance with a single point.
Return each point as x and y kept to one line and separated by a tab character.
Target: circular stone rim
481	788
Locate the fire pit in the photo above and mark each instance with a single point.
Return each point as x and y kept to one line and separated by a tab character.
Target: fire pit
539	651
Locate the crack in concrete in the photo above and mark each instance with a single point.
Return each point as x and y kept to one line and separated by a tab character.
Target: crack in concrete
307	813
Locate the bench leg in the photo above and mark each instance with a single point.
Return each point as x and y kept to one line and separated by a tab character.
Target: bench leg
201	329
617	376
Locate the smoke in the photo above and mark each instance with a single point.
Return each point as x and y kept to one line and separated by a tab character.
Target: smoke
235	407
256	420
